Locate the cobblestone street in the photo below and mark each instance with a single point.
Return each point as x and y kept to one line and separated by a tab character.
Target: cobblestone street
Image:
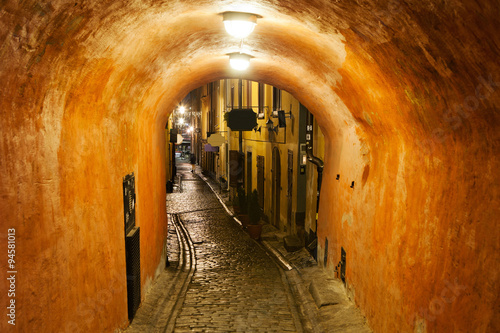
220	280
236	286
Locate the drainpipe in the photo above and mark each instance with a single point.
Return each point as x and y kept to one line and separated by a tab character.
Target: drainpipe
313	240
240	102
240	140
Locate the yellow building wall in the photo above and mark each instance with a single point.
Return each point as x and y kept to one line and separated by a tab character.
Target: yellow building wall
262	144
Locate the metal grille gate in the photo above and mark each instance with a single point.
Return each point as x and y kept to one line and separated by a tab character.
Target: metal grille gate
133	253
132	246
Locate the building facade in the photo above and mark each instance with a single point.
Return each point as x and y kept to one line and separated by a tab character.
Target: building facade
270	157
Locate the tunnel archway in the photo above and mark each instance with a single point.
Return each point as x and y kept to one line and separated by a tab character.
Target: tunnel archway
407	95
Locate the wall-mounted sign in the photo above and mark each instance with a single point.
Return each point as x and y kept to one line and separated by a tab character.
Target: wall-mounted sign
209	148
216	140
241	119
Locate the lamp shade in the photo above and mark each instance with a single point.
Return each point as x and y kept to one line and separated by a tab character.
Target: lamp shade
239	61
239	25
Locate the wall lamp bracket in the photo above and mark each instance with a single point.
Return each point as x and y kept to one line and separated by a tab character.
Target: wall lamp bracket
270	126
352	184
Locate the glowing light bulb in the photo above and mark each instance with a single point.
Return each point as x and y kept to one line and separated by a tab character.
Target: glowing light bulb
182	109
239	29
239	61
239	25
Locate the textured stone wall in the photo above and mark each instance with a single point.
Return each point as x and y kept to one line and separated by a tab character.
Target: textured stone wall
406	94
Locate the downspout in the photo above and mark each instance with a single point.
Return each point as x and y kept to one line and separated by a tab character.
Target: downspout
313	239
240	102
240	139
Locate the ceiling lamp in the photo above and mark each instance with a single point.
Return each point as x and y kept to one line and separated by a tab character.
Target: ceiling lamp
182	109
238	24
239	61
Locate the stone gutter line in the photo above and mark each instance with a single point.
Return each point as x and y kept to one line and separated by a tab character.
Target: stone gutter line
158	311
282	261
299	319
207	181
188	267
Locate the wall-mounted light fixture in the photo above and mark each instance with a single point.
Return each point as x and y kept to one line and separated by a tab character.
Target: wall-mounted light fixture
239	25
270	126
239	61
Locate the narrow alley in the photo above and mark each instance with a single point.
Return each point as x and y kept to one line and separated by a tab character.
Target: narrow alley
236	287
231	282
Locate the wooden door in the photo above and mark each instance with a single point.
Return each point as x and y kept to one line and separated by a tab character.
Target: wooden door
260	180
276	190
289	190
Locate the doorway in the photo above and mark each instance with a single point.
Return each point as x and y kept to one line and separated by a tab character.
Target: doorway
260	180
276	188
289	192
249	173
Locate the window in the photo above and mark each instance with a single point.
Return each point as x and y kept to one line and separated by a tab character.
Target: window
276	102
232	97
240	94
276	99
249	94
261	101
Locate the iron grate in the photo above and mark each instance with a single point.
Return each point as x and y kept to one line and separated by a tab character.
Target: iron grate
133	256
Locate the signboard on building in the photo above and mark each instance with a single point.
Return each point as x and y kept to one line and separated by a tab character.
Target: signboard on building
209	148
241	119
216	140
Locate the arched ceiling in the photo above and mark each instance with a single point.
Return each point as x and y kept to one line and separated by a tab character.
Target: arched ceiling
181	46
299	46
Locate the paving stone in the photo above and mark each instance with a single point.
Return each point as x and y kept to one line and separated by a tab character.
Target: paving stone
236	286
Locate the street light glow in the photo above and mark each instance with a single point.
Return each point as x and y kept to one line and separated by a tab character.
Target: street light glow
239	25
239	61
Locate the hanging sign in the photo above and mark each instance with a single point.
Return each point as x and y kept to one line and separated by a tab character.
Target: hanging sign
241	119
216	140
209	148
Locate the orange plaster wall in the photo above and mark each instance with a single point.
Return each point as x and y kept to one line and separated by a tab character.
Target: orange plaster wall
70	131
420	226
